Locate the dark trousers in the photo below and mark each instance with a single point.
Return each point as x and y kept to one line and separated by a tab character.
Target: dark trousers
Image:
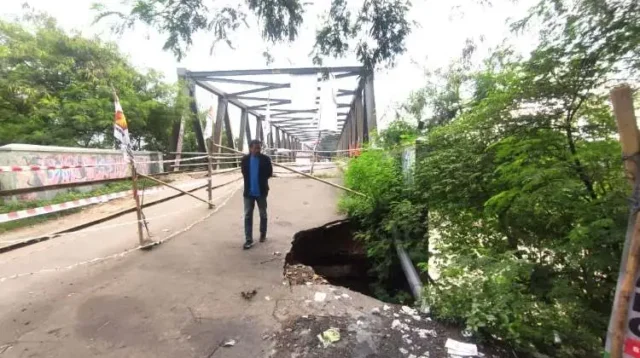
249	205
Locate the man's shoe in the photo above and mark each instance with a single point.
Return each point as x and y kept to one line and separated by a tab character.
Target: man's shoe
263	238
247	245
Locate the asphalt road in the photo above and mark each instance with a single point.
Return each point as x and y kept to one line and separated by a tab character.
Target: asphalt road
92	293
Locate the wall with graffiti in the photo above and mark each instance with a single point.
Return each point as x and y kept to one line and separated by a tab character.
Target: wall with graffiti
103	164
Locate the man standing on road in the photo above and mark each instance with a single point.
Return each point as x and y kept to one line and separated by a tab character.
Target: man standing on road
256	171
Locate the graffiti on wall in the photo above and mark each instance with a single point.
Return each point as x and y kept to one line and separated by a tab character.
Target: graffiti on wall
104	166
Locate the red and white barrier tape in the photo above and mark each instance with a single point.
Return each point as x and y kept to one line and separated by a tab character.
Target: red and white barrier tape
31	168
48	209
119	224
125	252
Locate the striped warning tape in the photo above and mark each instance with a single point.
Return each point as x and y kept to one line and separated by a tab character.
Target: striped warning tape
48	209
28	168
125	252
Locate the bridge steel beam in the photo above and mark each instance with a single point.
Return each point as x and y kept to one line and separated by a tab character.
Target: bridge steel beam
369	107
221	113
244	127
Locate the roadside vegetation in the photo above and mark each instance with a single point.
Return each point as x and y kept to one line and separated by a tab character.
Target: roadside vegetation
518	202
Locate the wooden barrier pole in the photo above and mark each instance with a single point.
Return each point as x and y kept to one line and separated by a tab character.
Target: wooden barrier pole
308	176
209	182
134	185
622	100
175	188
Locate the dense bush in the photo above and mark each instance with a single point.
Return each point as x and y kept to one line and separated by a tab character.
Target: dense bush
523	182
386	210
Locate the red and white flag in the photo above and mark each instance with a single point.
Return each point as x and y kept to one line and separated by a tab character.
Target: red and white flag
121	129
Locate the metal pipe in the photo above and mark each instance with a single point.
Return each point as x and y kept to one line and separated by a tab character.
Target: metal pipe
409	271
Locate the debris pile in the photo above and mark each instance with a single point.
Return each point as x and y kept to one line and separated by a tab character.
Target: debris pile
302	275
386	331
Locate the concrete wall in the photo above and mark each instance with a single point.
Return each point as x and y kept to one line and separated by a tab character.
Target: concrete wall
110	165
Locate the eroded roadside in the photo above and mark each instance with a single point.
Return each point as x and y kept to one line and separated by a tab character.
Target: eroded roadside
332	268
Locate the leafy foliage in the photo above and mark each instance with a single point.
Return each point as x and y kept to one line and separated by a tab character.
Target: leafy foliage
379	28
398	133
56	89
523	183
386	213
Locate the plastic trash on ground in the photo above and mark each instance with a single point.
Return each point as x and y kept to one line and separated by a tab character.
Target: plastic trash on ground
329	336
461	349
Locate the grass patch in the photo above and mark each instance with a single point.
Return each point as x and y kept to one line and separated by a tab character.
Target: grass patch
9	206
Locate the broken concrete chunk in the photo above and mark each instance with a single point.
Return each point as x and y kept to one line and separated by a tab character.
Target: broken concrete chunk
395	324
386	308
409	311
403	351
424	333
319	296
375	311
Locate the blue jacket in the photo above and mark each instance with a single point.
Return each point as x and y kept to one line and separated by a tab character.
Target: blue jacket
265	172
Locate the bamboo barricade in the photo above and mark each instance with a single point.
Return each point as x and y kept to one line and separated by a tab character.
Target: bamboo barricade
176	188
209	177
136	198
617	336
304	174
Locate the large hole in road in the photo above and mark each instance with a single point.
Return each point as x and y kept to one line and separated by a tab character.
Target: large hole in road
333	254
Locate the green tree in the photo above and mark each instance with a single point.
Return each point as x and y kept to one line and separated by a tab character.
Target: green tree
56	89
524	185
376	33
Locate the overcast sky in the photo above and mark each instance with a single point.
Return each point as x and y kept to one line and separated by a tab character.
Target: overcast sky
444	26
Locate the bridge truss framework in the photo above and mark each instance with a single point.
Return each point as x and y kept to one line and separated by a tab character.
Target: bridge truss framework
290	127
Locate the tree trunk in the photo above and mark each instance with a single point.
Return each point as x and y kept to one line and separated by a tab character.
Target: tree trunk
572	148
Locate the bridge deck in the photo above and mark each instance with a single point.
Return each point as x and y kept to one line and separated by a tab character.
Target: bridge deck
84	295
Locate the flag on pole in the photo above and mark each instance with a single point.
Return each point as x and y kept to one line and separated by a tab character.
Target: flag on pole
121	129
